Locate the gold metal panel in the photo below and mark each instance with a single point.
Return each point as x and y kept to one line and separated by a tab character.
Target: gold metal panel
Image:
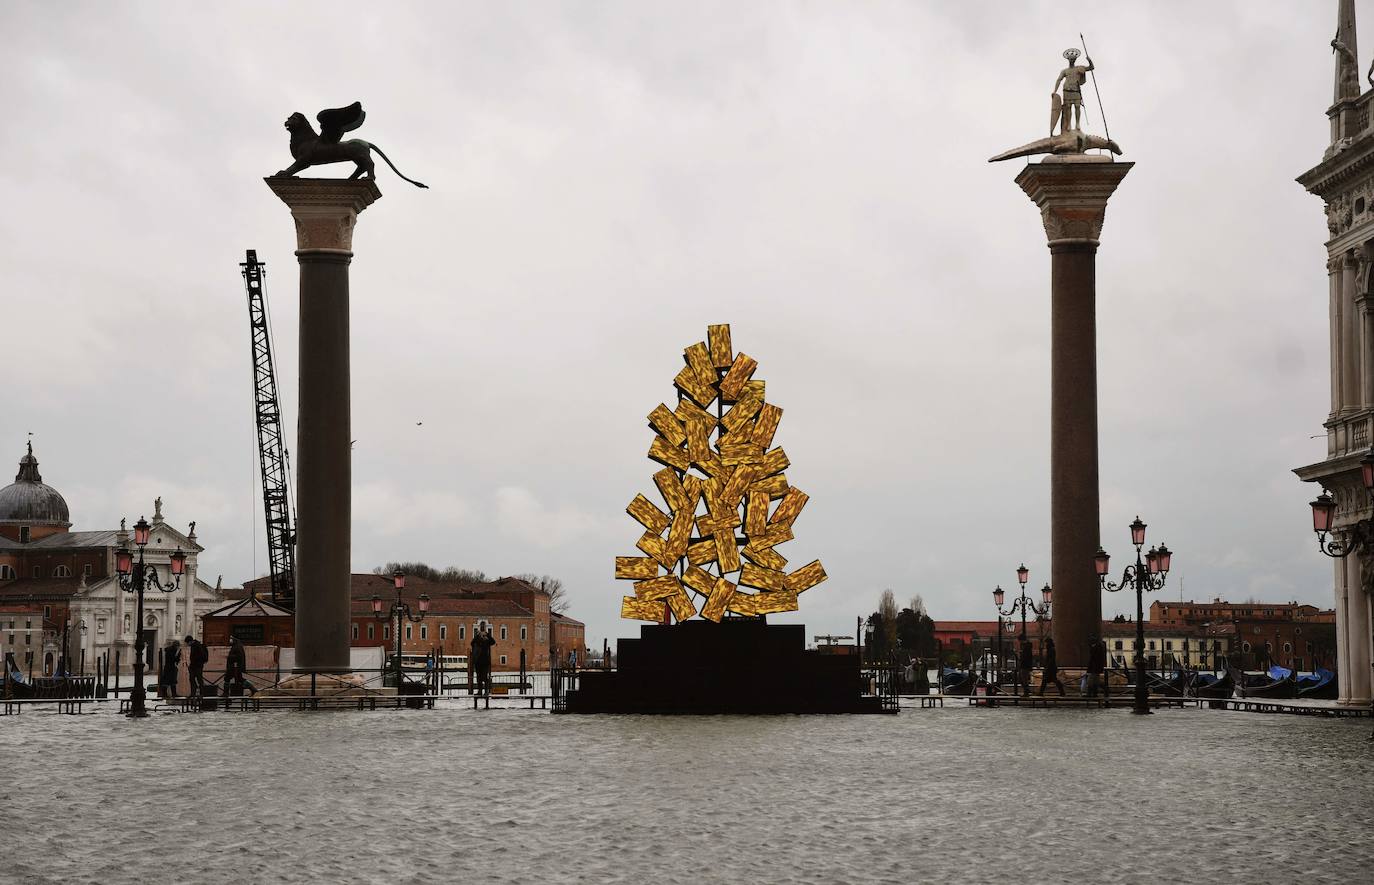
806	577
668	454
682	605
712	466
718	600
691	384
698	580
668	426
647	515
679	534
762	578
657	548
774	602
658	588
766	425
775	486
740	453
699	440
773	537
718	337
741	370
735	437
742	603
635	567
738	485
723	522
773	462
670	487
702	552
632	609
756	513
789	508
688	411
742	411
699	361
767	557
727	552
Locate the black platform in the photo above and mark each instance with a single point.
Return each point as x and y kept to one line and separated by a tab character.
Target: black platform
736	666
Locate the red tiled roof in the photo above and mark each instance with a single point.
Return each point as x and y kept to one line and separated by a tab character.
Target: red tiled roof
454	605
40	588
365	585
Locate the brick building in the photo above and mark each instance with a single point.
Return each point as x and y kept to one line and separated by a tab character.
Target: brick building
1287	633
517	613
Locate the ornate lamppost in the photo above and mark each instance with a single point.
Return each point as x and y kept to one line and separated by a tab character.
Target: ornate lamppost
398	614
65	665
1148	574
135	577
1024	603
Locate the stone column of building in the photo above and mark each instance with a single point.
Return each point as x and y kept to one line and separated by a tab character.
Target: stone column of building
1072	193
1333	272
1350	335
325	212
1364	310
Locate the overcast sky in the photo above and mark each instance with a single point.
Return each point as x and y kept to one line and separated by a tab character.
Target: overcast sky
607	179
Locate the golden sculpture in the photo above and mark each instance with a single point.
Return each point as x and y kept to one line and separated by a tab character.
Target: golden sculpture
729	503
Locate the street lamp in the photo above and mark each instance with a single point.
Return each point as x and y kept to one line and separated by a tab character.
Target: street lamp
1148	574
1356	536
134	577
1024	603
398	614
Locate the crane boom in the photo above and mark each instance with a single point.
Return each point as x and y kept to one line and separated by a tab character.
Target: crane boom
276	482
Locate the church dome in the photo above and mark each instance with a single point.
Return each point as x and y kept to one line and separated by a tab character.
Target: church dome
29	501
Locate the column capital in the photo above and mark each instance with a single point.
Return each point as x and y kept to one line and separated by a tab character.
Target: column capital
1072	196
325	209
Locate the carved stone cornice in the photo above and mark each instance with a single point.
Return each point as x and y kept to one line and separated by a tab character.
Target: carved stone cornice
1072	197
325	209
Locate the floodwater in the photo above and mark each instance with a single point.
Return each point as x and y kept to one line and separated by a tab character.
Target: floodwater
954	795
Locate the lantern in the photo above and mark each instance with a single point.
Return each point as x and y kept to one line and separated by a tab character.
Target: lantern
1102	561
998	596
1138	532
1323	510
141	532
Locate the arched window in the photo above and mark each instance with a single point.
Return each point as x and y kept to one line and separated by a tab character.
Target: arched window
62	571
7	573
1245	647
1288	648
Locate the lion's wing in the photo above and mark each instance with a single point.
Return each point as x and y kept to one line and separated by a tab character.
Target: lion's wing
334	122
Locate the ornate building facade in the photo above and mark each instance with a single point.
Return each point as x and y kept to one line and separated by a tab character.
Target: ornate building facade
1344	180
58	587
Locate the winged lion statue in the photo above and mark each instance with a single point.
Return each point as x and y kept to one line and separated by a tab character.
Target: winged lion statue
311	149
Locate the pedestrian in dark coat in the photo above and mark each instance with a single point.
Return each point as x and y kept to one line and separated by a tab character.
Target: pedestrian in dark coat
171	665
1050	671
479	656
197	656
1024	664
1097	668
234	666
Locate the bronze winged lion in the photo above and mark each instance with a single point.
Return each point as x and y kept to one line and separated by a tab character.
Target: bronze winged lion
310	149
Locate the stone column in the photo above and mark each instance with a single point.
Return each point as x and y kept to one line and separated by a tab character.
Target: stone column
1358	647
1350	336
1072	194
1333	273
325	212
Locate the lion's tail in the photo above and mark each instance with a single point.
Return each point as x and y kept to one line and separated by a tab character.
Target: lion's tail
394	169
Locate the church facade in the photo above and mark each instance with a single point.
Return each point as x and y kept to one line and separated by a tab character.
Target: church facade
1344	180
59	590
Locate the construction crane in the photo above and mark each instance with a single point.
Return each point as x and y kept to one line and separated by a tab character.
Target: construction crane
272	456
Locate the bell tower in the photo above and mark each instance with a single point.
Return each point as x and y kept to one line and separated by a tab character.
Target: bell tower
1344	180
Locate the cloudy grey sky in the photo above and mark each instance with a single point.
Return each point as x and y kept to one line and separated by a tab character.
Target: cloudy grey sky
609	178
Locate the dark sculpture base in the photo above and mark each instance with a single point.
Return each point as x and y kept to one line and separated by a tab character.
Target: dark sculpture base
739	666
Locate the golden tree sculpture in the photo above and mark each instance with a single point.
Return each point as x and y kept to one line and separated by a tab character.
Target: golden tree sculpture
719	481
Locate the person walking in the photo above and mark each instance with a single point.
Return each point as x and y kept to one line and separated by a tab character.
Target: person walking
234	664
196	657
1097	668
171	665
1024	662
1050	671
479	656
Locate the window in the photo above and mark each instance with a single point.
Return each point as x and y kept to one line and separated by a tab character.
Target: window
462	632
503	636
409	632
62	571
1168	645
47	612
424	631
523	633
38	571
503	657
1118	645
1309	648
28	639
386	631
355	631
128	623
247	632
23	534
6	573
86	570
371	631
1152	645
100	625
1288	648
443	632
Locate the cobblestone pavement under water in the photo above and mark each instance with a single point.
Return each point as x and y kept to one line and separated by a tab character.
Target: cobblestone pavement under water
954	795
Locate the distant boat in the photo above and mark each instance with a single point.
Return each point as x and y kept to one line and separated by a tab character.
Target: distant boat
1274	685
1319	686
958	682
1209	685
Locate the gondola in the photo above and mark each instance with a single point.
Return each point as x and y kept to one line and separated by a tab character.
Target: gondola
1215	687
1175	686
1325	687
959	682
1277	689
